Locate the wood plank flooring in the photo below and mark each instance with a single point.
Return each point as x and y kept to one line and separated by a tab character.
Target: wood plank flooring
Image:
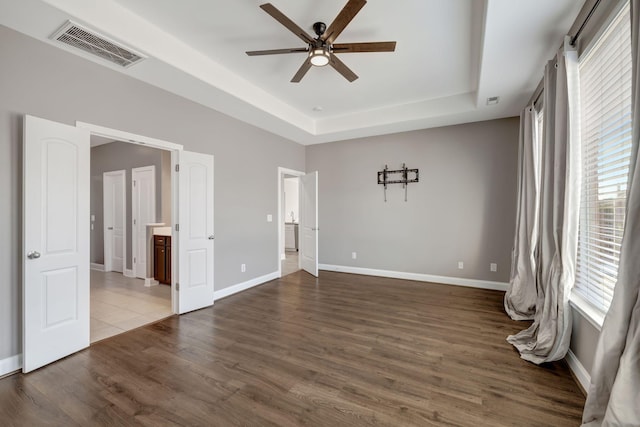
341	350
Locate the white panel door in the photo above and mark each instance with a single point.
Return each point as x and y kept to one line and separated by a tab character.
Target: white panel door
55	241
195	235
308	232
114	206
143	212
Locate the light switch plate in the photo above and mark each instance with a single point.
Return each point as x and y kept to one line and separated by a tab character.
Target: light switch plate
269	218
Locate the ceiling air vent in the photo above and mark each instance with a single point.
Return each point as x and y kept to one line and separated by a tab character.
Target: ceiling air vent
91	42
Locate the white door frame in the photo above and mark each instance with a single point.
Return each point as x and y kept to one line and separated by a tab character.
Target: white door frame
281	173
163	145
136	225
107	243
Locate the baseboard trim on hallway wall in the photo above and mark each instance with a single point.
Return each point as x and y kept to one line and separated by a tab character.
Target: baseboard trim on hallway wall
96	266
128	273
446	280
579	371
10	365
222	293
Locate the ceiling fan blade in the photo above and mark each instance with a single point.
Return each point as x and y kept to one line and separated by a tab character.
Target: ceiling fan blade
348	12
281	18
364	47
342	69
276	51
302	71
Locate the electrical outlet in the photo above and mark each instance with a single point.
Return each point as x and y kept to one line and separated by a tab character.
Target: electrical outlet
493	266
243	268
460	265
354	255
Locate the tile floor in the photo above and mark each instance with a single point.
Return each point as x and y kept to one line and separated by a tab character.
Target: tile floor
120	303
290	263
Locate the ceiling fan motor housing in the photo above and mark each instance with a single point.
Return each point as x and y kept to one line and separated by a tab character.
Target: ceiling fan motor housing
319	28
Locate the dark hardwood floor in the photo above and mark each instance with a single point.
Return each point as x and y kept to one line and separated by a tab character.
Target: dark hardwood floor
340	350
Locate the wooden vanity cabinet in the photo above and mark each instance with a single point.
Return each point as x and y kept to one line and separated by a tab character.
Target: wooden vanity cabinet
162	259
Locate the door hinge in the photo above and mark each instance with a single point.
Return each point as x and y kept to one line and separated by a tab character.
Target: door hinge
134	260
177	167
177	286
134	183
177	227
134	222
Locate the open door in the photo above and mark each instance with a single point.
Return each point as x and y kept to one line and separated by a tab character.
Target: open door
309	223
195	233
55	241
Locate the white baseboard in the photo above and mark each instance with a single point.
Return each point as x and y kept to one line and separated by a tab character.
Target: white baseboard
458	281
150	281
128	273
96	266
10	365
244	285
578	370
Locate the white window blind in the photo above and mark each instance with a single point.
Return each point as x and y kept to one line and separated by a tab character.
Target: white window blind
605	116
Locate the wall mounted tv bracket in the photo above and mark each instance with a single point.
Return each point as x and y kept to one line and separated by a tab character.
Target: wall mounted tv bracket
405	177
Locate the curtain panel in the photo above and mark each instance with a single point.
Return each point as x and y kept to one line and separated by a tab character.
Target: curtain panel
548	338
614	393
521	296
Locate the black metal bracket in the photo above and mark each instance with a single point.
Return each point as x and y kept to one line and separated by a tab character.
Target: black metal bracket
406	176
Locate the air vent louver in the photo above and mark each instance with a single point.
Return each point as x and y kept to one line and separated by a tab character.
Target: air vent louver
84	39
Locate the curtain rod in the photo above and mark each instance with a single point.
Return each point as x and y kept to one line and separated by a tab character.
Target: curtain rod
535	97
584	23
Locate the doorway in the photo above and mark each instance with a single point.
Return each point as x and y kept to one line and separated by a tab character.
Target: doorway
290	195
136	200
297	230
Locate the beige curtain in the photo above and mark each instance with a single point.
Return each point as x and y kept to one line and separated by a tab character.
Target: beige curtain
614	393
521	296
547	339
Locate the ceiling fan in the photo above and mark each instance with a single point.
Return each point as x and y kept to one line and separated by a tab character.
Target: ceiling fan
321	50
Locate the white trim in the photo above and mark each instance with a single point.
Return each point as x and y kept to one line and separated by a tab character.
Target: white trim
128	137
10	365
222	293
586	309
96	266
128	273
578	370
150	281
457	281
281	253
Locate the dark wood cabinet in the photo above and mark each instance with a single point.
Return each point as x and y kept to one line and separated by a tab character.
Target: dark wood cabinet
162	259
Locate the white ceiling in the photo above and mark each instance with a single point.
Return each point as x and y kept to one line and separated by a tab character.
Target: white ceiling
450	56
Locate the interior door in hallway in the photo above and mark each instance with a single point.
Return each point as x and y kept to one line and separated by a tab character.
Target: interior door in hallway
114	206
143	212
55	241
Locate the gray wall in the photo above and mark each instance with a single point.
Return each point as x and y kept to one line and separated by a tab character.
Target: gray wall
584	339
463	208
44	81
125	156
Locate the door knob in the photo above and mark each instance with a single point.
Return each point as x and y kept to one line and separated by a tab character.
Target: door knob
33	255
211	237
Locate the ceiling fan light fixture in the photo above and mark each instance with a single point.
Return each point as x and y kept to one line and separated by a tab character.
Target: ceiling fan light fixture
319	56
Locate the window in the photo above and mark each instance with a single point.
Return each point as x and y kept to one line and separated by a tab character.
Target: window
605	116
